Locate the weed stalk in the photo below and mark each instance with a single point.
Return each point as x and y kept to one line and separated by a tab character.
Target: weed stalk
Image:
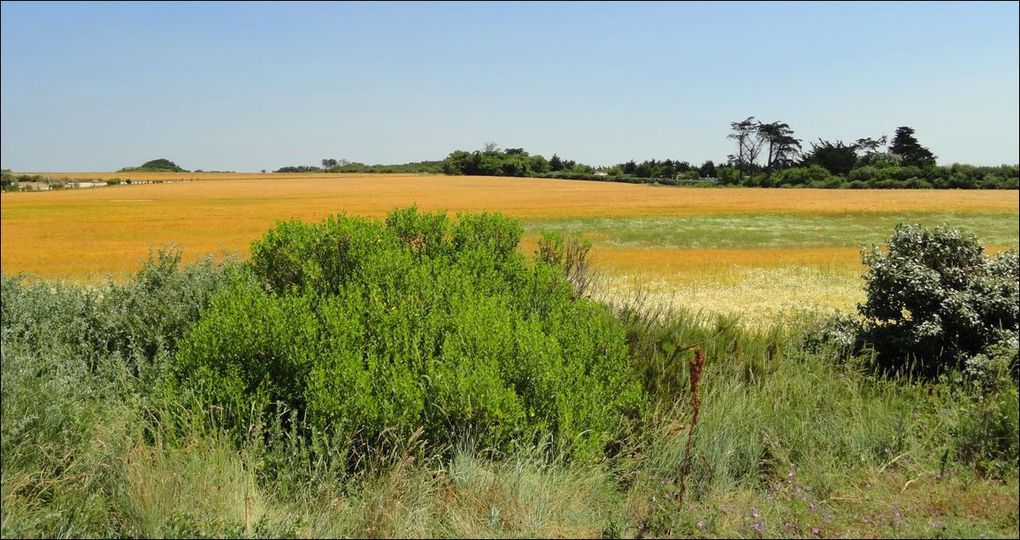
685	467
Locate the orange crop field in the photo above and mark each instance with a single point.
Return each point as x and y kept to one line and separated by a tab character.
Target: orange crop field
89	234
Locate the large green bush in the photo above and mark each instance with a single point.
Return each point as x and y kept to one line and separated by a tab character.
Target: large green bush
935	300
367	328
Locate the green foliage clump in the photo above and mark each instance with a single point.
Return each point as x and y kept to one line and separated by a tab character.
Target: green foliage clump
812	175
139	322
934	299
986	434
7	182
493	162
365	328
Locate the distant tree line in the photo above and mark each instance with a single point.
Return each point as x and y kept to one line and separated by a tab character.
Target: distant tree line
299	169
332	165
767	155
491	161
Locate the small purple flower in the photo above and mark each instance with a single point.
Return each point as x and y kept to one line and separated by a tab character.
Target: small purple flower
755	513
813	507
759	526
702	524
816	531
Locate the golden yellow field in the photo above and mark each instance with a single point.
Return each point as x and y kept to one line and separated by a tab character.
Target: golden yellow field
370	194
734	249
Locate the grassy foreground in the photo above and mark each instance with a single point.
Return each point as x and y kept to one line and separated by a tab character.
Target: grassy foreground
793	439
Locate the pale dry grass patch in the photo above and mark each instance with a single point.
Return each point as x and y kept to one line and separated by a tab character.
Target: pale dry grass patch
524	497
205	483
687	264
468	497
759	296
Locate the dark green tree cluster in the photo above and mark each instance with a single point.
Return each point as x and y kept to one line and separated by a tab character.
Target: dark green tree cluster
836	164
564	167
492	161
665	169
156	165
298	169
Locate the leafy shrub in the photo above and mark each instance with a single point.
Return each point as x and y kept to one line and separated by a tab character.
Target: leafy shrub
798	176
917	183
138	322
867	173
366	329
903	173
934	299
838	335
293	256
988	432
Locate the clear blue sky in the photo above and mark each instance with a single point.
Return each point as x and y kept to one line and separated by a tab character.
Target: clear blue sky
249	86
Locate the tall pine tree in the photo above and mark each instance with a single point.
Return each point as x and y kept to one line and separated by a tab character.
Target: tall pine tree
904	144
